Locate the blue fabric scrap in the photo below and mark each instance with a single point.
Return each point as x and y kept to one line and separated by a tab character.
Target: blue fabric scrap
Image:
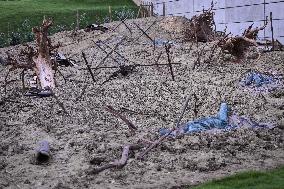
257	79
220	122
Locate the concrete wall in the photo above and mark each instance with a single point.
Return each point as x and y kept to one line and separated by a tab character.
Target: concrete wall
237	15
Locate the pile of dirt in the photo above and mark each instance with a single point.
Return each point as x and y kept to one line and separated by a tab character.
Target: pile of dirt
89	136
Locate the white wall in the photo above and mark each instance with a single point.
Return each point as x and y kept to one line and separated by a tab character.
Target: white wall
237	15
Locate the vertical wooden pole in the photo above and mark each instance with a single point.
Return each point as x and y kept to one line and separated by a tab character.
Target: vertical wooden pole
265	18
272	30
139	11
149	9
8	33
164	9
152	9
109	12
78	20
143	9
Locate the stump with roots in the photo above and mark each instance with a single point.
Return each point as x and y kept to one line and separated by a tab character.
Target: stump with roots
38	60
201	27
238	45
42	59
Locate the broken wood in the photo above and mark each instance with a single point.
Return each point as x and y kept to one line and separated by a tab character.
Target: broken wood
130	125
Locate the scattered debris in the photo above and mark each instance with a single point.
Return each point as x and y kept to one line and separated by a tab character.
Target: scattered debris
63	61
152	99
94	27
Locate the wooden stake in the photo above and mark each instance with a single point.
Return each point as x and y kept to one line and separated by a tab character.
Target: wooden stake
168	46
164	9
152	9
88	66
110	14
78	20
139	12
272	30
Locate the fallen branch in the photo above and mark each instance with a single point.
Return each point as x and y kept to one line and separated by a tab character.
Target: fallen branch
113	111
122	161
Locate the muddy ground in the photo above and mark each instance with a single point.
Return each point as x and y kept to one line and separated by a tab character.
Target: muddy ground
89	136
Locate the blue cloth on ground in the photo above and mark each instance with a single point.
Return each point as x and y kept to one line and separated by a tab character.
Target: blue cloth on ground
220	122
161	42
257	78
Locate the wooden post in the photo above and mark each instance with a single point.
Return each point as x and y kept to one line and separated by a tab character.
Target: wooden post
109	12
8	33
272	31
78	20
143	10
164	9
152	9
148	9
139	11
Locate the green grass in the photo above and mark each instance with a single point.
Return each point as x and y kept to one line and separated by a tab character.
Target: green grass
249	180
21	15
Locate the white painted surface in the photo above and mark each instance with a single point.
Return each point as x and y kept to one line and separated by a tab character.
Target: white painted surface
237	15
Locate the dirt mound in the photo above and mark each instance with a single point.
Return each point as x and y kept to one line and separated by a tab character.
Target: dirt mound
90	136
